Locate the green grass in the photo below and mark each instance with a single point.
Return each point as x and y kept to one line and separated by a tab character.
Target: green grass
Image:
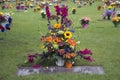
24	38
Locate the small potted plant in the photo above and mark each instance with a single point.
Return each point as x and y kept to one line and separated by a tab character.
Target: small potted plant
43	14
73	10
84	22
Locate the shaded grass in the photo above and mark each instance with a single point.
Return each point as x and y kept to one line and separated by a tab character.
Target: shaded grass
24	38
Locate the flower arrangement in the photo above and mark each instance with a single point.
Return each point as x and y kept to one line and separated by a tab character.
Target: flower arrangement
58	43
116	21
85	21
5	21
73	10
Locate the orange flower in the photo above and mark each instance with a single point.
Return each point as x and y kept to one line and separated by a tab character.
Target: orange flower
43	39
57	39
68	55
73	54
71	42
49	39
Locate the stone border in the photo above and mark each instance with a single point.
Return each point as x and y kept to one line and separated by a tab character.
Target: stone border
76	69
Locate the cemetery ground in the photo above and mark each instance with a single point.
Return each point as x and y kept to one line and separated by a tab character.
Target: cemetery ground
24	38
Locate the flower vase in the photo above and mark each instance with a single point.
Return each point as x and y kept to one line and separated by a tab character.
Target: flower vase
84	26
73	12
68	64
116	24
43	15
60	61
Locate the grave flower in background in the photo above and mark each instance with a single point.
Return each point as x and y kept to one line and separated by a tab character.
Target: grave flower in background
43	14
84	22
73	10
5	21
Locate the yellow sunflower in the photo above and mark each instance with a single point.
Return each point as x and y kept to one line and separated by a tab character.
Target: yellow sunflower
57	25
68	34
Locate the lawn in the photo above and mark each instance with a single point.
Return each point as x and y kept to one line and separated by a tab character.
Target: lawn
24	38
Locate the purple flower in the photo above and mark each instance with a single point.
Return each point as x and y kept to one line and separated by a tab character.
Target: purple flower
48	12
109	12
67	49
86	54
44	54
85	51
64	11
57	9
36	66
36	55
2	19
49	27
72	31
89	58
61	43
30	58
3	7
18	7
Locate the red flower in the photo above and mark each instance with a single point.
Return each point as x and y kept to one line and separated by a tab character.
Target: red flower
36	66
43	39
71	42
57	39
89	58
85	51
30	58
57	9
86	54
1	27
61	51
48	12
